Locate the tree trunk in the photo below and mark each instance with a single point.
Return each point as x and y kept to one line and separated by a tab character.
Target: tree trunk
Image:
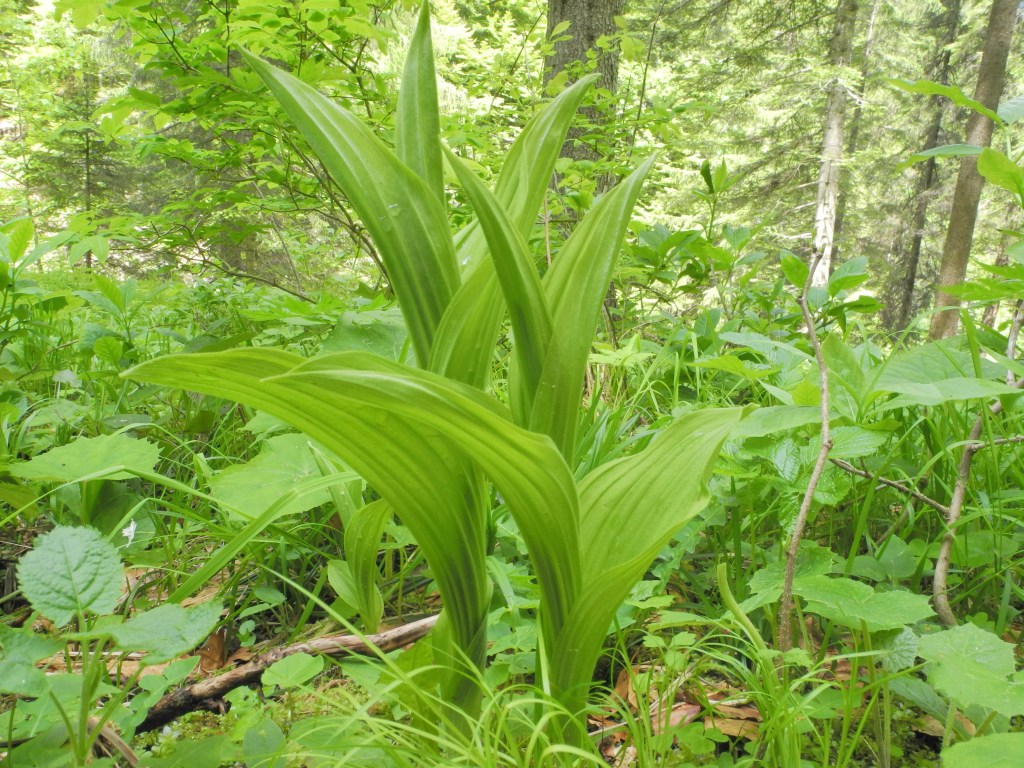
589	20
855	123
840	54
966	194
949	20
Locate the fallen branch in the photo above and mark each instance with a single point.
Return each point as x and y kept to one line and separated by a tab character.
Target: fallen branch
200	695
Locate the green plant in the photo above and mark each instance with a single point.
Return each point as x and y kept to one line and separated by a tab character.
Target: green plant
20	302
425	438
73	578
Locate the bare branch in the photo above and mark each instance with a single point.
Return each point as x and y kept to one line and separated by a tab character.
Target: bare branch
785	639
201	694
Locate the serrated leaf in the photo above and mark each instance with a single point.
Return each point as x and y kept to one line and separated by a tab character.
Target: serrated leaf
855	442
971	666
285	464
777	418
293	671
167	630
996	750
20	649
901	651
71	571
787	458
381	332
850	603
1000	170
91	456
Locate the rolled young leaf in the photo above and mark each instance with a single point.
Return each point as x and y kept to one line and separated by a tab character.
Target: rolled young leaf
464	344
520	284
418	127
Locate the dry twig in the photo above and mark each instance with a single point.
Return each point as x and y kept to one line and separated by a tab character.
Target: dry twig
200	695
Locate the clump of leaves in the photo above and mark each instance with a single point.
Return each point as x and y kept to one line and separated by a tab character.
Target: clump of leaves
429	438
73	578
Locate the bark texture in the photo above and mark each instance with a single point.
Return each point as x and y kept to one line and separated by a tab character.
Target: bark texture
840	55
957	249
948	21
589	20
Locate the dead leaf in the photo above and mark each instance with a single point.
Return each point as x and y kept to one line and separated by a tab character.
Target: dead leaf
624	688
679	715
736	728
213	653
738	713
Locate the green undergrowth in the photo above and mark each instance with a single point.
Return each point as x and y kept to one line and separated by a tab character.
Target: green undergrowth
599	519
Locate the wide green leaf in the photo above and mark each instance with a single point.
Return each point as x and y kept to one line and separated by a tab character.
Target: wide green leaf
1000	170
650	495
997	750
852	603
432	487
525	467
167	630
284	463
71	571
417	438
971	666
91	457
404	216
576	286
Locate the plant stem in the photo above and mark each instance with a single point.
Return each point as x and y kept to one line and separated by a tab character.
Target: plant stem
785	638
940	595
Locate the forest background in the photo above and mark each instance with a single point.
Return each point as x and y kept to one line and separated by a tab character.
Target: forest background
132	127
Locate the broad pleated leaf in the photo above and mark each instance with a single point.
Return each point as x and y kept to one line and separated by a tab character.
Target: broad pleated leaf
650	495
464	346
575	287
416	437
397	207
517	275
536	484
434	488
418	127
